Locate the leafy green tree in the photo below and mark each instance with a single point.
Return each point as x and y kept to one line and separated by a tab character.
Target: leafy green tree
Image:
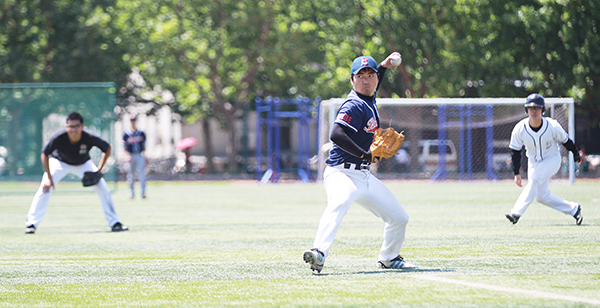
215	58
52	41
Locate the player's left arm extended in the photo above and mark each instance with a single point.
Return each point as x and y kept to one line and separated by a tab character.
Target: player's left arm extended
570	145
104	158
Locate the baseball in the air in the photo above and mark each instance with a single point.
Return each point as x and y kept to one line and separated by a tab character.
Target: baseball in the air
396	60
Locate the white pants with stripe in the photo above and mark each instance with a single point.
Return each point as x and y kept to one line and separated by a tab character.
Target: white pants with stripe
59	170
137	166
346	186
538	180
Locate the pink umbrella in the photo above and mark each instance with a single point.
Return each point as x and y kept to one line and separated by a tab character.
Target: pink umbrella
187	143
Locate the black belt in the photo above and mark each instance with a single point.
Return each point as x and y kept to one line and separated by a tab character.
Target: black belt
363	166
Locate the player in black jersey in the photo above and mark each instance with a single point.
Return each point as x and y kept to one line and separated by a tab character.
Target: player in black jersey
66	152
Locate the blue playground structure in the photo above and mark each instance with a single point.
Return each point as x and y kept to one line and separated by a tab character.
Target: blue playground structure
269	112
462	118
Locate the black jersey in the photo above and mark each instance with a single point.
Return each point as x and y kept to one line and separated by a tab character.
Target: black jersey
61	148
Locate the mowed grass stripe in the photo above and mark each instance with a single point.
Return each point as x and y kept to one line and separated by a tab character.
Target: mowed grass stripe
239	244
545	295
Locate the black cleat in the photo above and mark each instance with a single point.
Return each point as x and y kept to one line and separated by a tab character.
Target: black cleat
30	229
512	218
578	217
118	227
315	258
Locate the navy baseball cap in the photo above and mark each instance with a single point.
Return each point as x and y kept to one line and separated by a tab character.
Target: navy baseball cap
362	62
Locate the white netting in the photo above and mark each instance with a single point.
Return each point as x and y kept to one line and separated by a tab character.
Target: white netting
476	133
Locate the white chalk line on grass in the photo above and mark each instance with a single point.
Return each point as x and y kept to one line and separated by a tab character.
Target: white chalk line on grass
540	294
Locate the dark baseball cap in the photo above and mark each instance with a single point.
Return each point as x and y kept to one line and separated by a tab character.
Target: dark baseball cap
362	62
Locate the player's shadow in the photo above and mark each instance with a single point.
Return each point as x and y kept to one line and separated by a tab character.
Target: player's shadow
416	270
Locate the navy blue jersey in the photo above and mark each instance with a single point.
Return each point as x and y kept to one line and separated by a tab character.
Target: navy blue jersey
134	141
60	147
360	115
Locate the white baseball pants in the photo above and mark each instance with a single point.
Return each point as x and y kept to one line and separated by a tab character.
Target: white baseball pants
345	186
538	180
59	170
137	166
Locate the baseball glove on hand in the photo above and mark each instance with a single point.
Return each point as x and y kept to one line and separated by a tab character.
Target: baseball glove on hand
91	178
386	143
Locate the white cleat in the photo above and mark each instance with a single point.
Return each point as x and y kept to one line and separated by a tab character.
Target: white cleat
315	258
396	263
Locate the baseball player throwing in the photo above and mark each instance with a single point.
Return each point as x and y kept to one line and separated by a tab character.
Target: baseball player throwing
540	136
347	177
66	152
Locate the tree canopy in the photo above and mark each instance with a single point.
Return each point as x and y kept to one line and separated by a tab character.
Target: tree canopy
210	59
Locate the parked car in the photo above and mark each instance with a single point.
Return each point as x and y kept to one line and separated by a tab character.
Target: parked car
502	156
429	157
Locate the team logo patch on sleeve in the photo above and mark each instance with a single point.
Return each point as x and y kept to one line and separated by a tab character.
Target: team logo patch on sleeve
371	126
344	117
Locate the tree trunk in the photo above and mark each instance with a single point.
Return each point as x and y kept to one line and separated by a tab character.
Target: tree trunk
231	144
210	166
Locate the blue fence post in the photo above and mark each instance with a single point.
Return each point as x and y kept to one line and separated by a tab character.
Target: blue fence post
469	144
440	174
258	138
489	149
461	156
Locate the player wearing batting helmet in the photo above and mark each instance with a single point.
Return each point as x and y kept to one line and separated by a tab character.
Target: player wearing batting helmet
535	100
347	177
66	152
540	136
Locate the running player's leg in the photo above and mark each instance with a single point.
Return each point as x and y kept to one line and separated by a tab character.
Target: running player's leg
342	188
383	203
528	193
39	204
545	196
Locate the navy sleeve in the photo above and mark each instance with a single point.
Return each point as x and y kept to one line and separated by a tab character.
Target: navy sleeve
381	73
339	135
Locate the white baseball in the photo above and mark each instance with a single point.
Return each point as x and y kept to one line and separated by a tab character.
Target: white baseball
396	60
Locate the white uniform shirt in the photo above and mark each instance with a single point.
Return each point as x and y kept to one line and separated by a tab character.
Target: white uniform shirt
540	144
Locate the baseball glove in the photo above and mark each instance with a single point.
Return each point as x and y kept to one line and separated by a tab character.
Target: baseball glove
386	143
91	178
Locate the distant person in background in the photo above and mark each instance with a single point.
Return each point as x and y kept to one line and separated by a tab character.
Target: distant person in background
134	141
403	159
66	152
584	164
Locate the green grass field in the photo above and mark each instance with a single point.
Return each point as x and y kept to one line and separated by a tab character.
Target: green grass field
239	244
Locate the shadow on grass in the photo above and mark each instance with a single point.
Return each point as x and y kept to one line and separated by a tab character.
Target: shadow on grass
412	271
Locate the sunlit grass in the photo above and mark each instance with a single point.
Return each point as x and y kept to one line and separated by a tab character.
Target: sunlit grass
239	244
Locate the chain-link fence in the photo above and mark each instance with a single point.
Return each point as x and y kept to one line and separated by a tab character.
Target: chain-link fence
30	113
